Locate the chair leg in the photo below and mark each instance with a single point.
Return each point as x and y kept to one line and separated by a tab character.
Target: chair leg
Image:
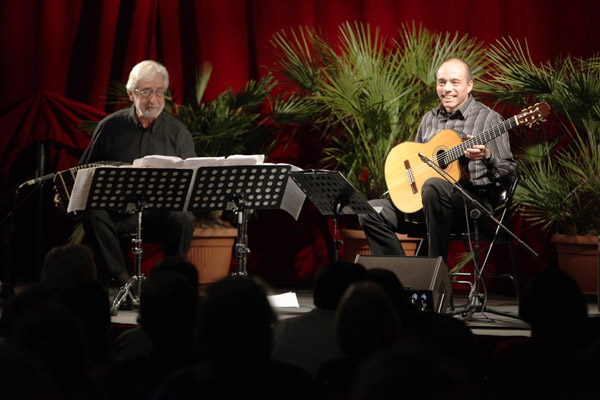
513	261
514	276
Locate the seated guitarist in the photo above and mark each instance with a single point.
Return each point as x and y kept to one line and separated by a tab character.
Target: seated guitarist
487	166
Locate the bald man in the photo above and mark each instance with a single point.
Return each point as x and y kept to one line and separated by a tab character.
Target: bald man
490	166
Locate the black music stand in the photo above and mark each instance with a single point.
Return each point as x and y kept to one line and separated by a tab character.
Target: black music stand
132	190
240	188
332	194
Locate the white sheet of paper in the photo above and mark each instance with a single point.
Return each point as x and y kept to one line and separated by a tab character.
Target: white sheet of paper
293	197
243	159
288	299
81	189
158	161
196	162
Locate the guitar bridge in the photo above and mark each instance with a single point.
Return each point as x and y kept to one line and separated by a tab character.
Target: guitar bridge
410	177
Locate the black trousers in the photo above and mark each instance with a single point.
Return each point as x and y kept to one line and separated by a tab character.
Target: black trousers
104	231
443	213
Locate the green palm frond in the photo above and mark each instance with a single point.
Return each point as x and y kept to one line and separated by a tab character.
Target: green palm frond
117	93
514	77
297	56
202	78
560	188
232	123
291	108
462	259
253	95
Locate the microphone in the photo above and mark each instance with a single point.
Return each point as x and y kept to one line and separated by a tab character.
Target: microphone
424	158
35	181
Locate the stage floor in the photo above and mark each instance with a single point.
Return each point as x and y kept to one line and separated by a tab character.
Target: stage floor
489	322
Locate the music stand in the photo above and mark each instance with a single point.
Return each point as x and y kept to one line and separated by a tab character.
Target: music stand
332	194
239	188
132	190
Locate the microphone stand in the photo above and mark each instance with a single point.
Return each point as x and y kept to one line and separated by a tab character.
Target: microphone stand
476	300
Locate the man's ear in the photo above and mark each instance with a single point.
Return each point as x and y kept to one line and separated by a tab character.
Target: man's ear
470	87
130	94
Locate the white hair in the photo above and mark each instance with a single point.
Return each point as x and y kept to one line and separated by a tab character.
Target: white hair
146	70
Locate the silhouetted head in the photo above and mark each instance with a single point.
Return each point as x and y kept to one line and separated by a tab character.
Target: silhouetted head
390	282
179	264
168	305
67	266
366	320
235	320
332	280
552	296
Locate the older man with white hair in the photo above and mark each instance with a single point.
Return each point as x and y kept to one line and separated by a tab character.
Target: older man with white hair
140	130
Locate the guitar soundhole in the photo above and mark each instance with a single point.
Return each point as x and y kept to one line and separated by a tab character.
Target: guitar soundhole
440	159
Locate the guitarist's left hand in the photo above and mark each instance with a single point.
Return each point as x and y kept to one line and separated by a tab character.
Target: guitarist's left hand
478	151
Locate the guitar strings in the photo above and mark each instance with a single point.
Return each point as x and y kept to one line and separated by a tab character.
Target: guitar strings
457	151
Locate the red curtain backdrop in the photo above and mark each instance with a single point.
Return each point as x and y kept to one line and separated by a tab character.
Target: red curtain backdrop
73	48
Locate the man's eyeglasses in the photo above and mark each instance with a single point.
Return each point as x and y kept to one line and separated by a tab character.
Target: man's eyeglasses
148	93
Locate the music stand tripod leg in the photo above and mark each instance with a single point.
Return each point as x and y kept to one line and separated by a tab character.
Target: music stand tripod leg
241	246
336	207
133	286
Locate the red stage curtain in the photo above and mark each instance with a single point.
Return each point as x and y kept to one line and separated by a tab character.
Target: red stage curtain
72	48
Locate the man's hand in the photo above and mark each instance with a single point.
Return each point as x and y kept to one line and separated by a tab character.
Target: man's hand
478	151
57	201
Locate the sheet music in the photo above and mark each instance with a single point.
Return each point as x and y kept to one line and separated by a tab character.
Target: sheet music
158	161
196	162
81	189
242	159
293	197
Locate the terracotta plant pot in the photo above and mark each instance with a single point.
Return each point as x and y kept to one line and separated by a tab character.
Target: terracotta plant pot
211	252
355	242
578	256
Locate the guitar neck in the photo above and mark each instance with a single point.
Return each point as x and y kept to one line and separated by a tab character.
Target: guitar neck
456	152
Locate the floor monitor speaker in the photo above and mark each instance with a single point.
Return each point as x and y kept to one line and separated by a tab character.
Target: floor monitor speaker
426	278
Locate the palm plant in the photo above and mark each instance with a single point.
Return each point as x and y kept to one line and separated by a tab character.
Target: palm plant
230	124
366	94
560	185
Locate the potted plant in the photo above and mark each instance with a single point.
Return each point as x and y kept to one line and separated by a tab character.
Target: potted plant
364	95
560	175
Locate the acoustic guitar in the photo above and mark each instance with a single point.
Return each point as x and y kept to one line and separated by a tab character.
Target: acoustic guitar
406	172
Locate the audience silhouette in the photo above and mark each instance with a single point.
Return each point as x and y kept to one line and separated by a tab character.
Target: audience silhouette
363	340
308	340
167	316
234	342
70	271
365	322
549	363
38	324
